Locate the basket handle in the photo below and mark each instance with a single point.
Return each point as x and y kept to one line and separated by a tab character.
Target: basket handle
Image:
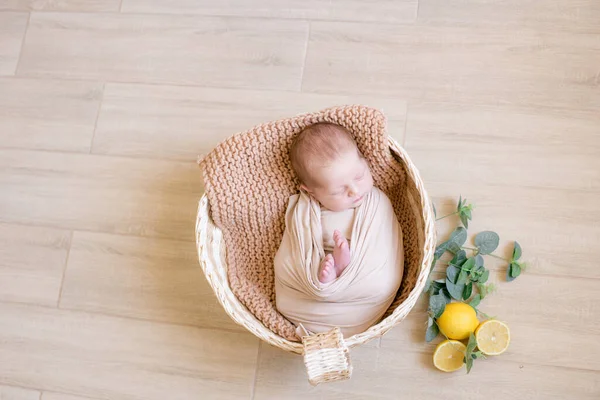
326	357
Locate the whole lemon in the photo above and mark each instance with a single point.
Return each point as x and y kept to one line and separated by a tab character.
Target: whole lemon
458	321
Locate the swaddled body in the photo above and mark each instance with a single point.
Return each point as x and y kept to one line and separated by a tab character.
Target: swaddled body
366	287
341	258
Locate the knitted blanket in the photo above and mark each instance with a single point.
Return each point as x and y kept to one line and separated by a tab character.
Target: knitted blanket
248	180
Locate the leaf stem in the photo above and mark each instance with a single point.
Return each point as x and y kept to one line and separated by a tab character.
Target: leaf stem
499	258
482	313
476	250
446	216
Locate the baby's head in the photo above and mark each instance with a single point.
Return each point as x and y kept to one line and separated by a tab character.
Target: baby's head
330	166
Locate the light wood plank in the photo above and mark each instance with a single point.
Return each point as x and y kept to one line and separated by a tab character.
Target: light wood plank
548	317
153	279
62	5
62	396
107	194
384	374
32	261
455	63
349	10
181	122
45	114
15	393
228	52
108	357
540	132
12	30
550	14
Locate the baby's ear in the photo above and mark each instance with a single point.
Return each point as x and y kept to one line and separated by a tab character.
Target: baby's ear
305	189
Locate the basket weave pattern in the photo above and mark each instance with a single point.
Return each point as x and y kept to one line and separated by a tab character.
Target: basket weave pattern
248	181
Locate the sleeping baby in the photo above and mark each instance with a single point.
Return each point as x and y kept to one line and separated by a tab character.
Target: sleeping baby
341	258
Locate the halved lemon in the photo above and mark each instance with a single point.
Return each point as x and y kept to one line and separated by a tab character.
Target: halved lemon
493	337
449	355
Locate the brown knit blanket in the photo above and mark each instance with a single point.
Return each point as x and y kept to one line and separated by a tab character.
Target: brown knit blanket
248	181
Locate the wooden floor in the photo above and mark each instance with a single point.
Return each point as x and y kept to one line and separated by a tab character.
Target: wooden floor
105	105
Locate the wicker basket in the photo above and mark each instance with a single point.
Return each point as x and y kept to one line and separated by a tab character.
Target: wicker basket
326	355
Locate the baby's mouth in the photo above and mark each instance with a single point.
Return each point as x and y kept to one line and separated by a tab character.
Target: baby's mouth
359	199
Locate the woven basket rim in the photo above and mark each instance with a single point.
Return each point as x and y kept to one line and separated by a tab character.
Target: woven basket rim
217	276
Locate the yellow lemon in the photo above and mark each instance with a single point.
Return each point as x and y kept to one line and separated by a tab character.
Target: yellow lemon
458	321
449	355
493	337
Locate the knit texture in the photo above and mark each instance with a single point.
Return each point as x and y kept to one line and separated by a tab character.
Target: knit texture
248	180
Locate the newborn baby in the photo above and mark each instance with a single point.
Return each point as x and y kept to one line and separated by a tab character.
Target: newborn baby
332	170
340	261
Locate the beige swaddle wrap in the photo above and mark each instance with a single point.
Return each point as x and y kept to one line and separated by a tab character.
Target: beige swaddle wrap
359	297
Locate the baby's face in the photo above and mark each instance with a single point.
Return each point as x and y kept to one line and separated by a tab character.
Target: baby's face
343	183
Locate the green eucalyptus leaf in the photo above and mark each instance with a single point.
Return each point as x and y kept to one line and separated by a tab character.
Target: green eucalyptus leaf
468	291
474	276
440	250
432	330
456	290
462	277
453	248
471	344
437	304
459	206
487	241
458	236
509	273
479	260
438	285
446	295
452	273
469	264
464	219
484	277
469	352
517	251
516	270
434	210
459	258
475	300
469	363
